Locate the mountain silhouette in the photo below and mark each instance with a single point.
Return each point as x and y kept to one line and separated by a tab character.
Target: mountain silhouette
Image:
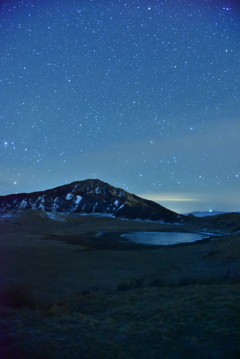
89	196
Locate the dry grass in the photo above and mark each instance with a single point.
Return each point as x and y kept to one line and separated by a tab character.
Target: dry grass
200	321
172	303
17	296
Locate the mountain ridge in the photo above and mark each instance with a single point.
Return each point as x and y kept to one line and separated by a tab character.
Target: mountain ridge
204	213
89	196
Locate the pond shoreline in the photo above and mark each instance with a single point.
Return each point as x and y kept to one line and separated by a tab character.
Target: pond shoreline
163	238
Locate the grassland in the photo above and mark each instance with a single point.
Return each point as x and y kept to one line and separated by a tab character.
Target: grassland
65	293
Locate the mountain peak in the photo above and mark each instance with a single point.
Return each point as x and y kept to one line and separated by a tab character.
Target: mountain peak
89	196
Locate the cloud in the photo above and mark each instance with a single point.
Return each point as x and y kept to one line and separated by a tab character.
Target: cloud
170	197
184	202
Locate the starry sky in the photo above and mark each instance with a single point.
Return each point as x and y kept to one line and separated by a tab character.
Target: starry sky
144	95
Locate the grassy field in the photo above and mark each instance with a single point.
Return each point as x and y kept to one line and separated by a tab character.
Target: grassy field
184	321
65	293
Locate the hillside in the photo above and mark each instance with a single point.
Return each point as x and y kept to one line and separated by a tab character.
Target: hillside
89	196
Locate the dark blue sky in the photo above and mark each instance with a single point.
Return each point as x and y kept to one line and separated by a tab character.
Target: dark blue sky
141	94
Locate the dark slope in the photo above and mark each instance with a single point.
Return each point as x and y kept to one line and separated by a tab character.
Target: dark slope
220	223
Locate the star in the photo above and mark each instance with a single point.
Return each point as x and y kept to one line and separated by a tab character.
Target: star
132	94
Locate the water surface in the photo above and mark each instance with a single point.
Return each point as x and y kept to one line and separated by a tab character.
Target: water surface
163	238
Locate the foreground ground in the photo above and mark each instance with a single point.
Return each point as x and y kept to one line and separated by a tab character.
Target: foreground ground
66	293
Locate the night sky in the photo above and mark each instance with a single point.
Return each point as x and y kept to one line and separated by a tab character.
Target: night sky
144	95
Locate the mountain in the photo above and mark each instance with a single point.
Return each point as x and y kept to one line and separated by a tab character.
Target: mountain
204	214
219	223
89	196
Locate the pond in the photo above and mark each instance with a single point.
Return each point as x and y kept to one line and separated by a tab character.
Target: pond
163	238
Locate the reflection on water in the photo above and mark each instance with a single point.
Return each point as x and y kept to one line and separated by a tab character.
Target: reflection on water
163	238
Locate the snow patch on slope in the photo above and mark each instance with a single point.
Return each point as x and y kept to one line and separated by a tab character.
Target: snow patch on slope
23	204
54	216
78	199
94	207
69	196
41	205
119	208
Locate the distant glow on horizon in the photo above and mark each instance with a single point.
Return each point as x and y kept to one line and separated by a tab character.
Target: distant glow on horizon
143	96
177	202
185	202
